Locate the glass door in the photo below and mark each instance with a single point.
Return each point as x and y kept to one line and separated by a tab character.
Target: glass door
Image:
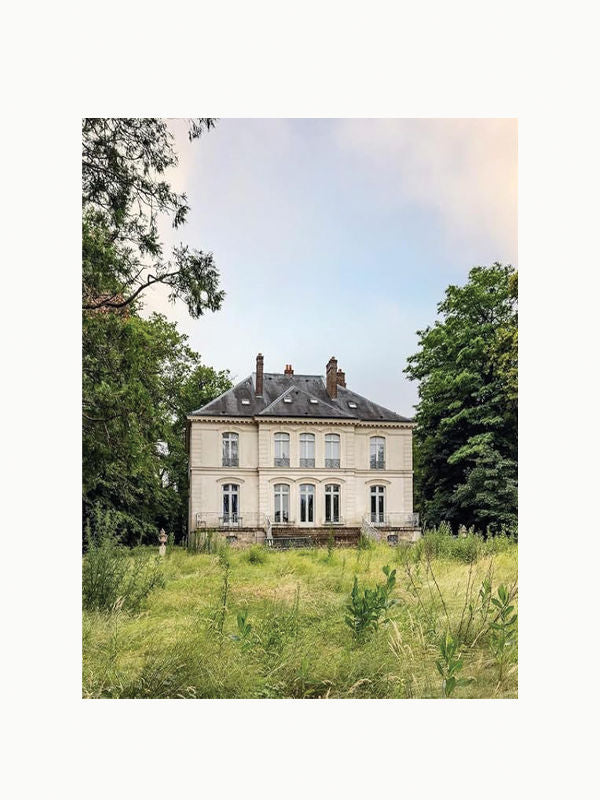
307	503
377	504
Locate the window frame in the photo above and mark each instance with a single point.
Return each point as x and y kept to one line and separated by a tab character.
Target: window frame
230	491
377	459
281	438
228	440
331	462
304	494
307	461
333	491
281	491
377	493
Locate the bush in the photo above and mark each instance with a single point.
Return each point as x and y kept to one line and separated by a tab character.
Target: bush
113	576
256	554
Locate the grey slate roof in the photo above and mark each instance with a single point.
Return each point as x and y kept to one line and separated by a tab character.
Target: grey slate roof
301	389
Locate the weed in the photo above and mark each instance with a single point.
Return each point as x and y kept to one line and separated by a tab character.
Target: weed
450	665
365	610
503	630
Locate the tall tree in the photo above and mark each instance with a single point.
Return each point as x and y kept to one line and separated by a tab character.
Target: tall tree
466	435
140	378
124	195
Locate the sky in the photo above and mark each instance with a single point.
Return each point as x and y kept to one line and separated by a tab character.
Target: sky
339	237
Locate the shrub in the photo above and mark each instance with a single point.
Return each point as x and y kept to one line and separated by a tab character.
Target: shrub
365	610
449	665
256	554
114	577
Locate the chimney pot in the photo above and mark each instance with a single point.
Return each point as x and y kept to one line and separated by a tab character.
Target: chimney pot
288	370
259	374
331	377
341	378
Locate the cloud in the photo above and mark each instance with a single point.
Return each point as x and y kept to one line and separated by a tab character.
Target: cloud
465	170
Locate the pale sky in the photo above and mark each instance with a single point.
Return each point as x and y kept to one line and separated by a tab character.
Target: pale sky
339	237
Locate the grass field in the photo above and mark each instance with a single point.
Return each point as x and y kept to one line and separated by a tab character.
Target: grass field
260	623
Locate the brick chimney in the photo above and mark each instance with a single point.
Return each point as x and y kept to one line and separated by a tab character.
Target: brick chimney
331	377
288	370
341	378
259	374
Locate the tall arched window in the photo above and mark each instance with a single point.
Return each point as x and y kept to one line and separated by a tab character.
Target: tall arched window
307	449
230	450
377	452
282	449
378	504
282	502
332	502
307	502
332	451
231	503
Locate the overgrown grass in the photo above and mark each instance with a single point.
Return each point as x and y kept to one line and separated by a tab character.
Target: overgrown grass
257	623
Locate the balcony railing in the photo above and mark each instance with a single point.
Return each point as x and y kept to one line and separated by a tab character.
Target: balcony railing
307	462
282	462
332	463
377	463
230	461
215	519
400	519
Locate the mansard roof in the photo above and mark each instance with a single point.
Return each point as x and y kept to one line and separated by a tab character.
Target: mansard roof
303	391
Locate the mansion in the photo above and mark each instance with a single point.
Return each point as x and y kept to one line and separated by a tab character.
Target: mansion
284	454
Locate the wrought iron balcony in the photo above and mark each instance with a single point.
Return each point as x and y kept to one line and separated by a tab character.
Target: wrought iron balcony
307	462
377	463
230	461
282	462
332	463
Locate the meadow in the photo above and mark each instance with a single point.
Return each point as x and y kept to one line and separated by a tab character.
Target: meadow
262	623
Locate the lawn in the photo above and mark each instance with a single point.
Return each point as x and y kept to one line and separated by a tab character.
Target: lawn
257	623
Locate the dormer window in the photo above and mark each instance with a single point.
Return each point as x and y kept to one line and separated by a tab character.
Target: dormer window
287	399
245	401
313	401
230	450
352	404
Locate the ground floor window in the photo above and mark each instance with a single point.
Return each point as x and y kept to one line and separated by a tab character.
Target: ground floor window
332	503
377	503
282	502
307	502
231	505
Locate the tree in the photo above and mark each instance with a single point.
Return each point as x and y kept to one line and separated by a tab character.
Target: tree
123	197
140	380
466	434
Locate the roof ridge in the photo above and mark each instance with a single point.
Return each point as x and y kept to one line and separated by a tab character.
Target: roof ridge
278	398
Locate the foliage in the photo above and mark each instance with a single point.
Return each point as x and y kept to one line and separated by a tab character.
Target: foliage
298	643
449	665
365	610
140	380
503	630
124	197
256	554
466	435
113	577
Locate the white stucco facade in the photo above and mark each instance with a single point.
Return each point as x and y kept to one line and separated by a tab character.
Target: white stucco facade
254	478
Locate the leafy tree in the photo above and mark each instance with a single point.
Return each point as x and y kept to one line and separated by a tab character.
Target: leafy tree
466	435
140	379
124	196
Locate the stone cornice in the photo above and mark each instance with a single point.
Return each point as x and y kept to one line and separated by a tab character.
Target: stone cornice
358	423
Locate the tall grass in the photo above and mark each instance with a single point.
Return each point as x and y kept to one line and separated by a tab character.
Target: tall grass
275	627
